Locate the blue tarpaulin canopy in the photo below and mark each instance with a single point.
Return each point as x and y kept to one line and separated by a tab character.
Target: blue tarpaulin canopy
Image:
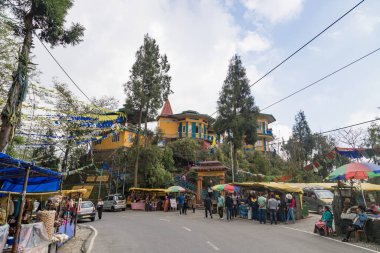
12	174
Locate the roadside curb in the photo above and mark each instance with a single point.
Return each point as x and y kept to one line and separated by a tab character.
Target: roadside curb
88	243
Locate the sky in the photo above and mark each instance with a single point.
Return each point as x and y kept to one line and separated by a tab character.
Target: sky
199	38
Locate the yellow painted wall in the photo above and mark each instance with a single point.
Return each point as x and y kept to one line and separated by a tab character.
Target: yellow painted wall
126	140
168	127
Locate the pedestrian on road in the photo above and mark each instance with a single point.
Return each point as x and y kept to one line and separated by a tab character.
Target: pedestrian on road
255	208
166	204
99	208
281	209
193	202
273	207
262	201
185	205
291	203
229	206
220	206
235	205
208	204
181	201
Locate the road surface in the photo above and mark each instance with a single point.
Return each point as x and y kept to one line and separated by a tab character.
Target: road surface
143	232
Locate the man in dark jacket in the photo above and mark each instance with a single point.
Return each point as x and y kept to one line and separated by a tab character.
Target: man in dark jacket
208	205
229	206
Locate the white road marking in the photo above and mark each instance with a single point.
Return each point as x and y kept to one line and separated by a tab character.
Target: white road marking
212	245
165	220
332	239
92	239
186	228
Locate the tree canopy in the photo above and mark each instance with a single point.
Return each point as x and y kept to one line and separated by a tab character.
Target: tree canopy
236	106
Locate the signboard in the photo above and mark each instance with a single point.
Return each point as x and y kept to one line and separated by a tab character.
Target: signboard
102	178
90	179
173	203
87	187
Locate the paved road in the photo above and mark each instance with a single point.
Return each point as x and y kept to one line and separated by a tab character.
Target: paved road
143	232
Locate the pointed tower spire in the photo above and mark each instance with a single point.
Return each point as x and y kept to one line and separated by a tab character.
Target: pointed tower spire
167	109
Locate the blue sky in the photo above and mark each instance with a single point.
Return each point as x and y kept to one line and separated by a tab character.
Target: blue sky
200	37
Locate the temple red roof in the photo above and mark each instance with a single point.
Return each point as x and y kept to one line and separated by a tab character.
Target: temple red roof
167	109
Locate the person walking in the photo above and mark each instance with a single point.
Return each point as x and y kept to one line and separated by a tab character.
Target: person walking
181	201
208	204
193	202
99	208
235	205
281	209
262	201
273	207
166	204
229	207
220	206
291	203
185	205
255	208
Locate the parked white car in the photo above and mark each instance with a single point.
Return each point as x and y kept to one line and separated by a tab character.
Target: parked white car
115	202
86	211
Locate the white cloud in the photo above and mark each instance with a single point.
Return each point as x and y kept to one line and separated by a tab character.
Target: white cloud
274	10
365	22
253	42
361	116
198	37
281	132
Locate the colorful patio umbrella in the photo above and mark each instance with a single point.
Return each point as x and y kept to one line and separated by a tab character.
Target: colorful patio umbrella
355	171
225	187
176	189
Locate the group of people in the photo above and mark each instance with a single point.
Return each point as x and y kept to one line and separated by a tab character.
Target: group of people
260	206
182	203
279	210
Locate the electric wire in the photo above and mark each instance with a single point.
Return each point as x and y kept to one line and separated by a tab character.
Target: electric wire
303	46
321	79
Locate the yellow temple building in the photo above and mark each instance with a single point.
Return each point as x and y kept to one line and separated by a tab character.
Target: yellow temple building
187	124
264	133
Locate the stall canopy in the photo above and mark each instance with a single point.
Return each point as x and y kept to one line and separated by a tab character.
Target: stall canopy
331	186
12	174
271	186
147	189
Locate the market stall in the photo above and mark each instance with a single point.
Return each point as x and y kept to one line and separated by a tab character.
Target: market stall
349	196
146	198
28	224
279	189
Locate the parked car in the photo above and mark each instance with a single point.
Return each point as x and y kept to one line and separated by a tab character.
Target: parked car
115	202
317	198
86	211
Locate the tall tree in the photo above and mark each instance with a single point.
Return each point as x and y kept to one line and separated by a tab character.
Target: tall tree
237	109
8	55
45	19
373	136
301	144
147	88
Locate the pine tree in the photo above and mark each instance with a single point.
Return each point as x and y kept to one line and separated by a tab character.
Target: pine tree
237	110
45	19
148	87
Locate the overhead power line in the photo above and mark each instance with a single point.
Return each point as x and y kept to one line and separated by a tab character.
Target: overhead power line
303	46
321	79
329	131
64	71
